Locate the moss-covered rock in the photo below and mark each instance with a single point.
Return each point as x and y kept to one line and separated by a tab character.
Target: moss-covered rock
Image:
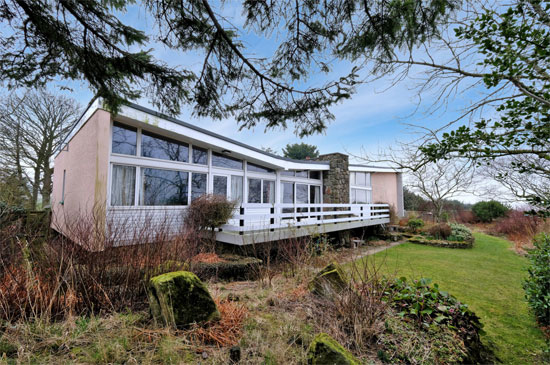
329	280
324	350
180	298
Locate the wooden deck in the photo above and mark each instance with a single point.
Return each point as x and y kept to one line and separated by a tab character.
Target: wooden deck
281	221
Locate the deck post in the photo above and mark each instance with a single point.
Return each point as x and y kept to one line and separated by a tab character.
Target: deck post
241	221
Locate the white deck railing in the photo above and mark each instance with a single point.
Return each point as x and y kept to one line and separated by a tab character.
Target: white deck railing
250	217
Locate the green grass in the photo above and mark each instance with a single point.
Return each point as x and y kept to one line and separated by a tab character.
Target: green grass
488	278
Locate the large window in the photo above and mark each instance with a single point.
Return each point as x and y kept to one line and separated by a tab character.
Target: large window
268	195
220	185
301	194
361	196
315	175
124	139
254	190
200	156
227	162
237	189
164	187
163	148
123	185
261	191
257	168
360	179
198	185
287	192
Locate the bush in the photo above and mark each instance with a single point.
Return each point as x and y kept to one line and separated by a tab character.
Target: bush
488	210
54	277
537	284
460	233
415	224
428	306
206	213
440	231
465	216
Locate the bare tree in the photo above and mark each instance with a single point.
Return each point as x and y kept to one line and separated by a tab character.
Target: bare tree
31	128
516	186
438	181
441	181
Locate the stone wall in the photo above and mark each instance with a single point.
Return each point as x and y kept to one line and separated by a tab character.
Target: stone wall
336	180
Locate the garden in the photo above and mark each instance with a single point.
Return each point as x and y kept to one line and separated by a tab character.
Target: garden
294	301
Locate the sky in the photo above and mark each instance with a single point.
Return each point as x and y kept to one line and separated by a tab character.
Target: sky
373	120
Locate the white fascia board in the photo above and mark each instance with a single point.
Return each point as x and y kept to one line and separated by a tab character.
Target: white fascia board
373	169
217	143
95	105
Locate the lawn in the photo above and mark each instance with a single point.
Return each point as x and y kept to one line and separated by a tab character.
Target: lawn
488	278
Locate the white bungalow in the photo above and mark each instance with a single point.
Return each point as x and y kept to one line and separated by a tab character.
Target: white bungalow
140	163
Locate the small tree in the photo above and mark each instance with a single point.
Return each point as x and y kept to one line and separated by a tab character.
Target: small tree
486	211
300	151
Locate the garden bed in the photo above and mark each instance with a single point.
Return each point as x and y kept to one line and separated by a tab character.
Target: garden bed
228	267
422	240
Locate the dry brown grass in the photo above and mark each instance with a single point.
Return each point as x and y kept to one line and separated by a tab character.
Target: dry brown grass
223	333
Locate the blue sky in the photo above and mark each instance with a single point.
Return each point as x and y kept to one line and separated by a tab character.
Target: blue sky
372	120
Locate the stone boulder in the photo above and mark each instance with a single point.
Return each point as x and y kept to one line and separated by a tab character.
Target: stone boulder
329	280
324	350
180	298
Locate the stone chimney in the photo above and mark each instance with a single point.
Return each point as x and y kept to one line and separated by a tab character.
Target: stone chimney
336	180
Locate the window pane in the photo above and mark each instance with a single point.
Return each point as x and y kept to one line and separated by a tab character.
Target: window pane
123	185
287	192
301	194
287	173
220	185
124	139
254	190
237	188
315	175
352	178
269	192
368	179
314	194
257	168
200	156
163	148
163	187
360	179
301	173
220	160
198	185
361	196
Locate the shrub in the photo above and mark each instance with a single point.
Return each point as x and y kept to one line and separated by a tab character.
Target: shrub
440	231
488	210
537	284
460	233
415	224
54	277
403	222
429	306
206	213
465	216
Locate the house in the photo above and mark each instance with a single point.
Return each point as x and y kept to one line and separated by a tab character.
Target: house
141	165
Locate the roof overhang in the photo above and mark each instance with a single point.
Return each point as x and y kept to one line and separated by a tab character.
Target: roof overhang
365	168
141	116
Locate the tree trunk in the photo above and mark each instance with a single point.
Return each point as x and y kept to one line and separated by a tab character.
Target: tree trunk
35	187
47	185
